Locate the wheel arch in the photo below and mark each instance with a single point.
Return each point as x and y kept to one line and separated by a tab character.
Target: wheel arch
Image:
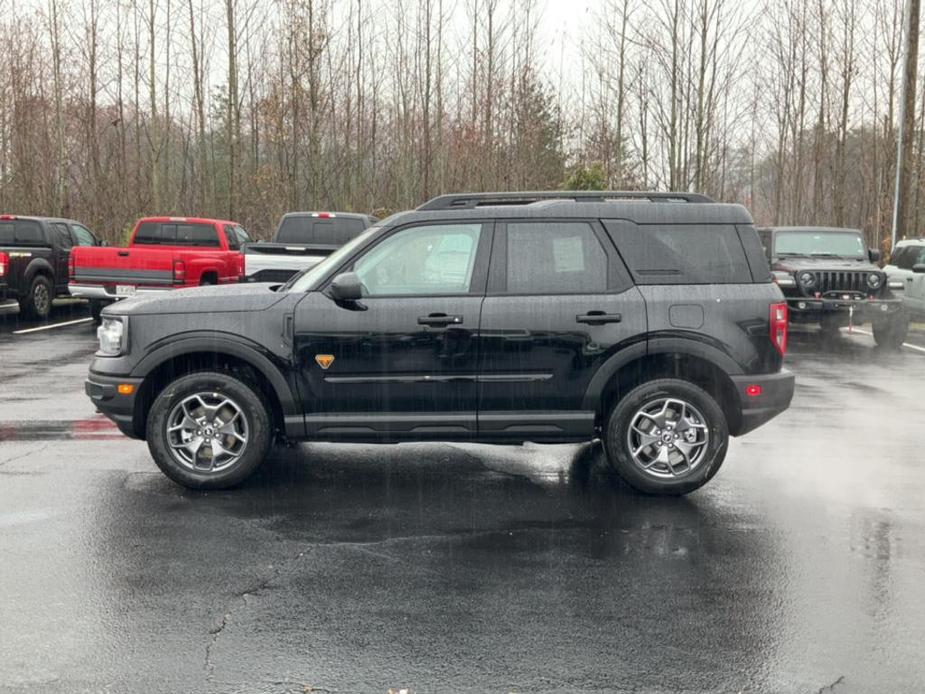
185	356
688	360
39	266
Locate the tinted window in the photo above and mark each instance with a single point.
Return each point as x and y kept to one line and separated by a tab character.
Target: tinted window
554	258
158	234
150	233
682	253
63	235
243	236
906	257
22	233
334	231
84	236
434	259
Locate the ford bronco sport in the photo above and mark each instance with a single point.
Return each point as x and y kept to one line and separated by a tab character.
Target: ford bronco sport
648	320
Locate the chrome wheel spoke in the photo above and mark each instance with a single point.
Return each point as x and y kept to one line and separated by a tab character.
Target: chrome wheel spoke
207	432
667	438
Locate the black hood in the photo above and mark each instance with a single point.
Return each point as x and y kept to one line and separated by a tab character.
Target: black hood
212	299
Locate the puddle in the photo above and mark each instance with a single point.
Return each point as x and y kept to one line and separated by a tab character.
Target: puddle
94	429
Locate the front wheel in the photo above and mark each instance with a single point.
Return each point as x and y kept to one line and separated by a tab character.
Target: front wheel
666	437
209	430
891	332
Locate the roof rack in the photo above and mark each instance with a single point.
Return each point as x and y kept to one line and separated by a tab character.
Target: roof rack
467	201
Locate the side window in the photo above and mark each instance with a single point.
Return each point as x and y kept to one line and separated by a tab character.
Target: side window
425	260
84	236
681	253
243	236
62	235
231	237
554	258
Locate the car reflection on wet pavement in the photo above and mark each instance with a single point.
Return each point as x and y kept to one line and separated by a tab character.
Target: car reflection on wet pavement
438	567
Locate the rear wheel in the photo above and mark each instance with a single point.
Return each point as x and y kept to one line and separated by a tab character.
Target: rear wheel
37	303
209	430
666	437
891	332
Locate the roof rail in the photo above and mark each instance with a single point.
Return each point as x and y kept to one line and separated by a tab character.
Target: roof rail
467	201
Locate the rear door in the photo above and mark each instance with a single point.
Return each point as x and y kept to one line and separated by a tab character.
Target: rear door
559	303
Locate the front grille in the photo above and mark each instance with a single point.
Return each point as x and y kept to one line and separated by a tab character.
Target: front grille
839	281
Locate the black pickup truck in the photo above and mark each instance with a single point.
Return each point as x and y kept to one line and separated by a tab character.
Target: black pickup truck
34	253
302	239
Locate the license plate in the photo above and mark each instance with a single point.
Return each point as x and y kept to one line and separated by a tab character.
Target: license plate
125	289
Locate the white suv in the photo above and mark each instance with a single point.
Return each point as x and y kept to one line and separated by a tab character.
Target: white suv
907	271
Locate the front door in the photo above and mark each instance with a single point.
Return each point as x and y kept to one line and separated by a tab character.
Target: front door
559	304
64	243
400	363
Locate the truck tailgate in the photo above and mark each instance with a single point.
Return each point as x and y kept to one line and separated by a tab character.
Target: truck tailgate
132	266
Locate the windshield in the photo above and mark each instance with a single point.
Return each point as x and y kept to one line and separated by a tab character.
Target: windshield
308	279
819	243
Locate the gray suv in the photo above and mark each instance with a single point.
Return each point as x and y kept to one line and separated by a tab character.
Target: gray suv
648	320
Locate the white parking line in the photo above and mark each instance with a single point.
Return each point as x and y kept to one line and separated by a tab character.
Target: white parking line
49	327
905	344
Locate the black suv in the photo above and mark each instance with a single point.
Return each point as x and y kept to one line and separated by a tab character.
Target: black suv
828	277
646	319
34	254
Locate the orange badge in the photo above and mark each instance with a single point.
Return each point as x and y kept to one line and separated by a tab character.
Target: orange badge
324	360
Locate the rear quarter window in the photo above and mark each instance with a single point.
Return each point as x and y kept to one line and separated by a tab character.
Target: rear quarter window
681	253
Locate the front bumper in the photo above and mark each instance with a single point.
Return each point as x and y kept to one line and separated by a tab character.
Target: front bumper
102	291
811	308
775	391
104	392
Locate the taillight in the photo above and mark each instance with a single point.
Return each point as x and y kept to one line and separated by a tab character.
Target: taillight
70	265
4	262
241	267
179	272
778	326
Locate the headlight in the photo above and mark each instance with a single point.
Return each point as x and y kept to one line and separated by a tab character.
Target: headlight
113	336
807	279
874	280
896	284
783	279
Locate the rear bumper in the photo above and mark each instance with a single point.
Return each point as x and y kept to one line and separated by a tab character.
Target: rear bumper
100	291
808	309
103	391
775	393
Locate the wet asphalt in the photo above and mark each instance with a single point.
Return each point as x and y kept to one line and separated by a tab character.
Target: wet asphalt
445	568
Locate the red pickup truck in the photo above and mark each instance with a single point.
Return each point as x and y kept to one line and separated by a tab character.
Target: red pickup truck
164	253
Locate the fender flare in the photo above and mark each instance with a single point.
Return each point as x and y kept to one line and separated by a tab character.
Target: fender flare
654	346
226	344
36	266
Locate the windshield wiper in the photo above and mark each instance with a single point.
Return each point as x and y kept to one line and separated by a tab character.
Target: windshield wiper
790	254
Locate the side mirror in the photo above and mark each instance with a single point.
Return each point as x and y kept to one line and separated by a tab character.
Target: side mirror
102	242
874	255
918	268
346	287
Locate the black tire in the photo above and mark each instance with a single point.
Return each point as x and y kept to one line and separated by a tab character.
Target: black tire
253	409
37	303
96	309
890	333
708	457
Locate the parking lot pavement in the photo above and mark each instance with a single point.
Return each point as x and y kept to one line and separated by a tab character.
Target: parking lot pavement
465	568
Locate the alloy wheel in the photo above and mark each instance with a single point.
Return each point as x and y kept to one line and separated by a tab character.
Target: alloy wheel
207	432
668	438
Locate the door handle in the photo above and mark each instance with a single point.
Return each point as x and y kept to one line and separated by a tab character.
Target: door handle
123	253
598	318
439	319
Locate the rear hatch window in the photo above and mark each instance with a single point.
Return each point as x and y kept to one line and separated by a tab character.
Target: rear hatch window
333	231
21	232
177	234
681	253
